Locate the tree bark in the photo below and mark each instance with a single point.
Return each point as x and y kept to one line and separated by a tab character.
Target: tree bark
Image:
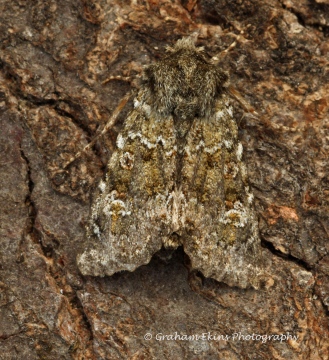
64	66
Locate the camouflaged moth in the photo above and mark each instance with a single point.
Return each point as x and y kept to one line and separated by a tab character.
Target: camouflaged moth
177	178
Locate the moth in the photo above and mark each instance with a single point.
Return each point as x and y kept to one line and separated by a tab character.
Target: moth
177	178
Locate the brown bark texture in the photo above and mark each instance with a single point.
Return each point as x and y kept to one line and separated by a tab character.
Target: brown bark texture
64	66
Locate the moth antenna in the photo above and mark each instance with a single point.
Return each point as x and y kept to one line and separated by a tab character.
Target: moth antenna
241	100
230	89
109	124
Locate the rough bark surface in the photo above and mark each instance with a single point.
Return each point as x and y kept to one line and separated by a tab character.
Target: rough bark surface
64	65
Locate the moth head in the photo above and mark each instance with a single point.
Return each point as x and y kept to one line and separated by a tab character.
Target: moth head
185	83
187	43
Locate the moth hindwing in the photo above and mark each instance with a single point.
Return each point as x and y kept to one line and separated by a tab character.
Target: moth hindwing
177	178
